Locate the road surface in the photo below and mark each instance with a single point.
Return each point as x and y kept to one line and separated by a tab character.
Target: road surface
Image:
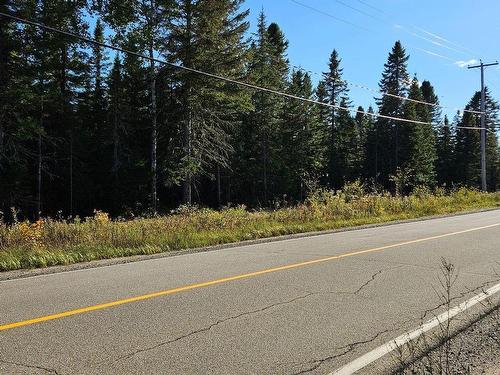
306	305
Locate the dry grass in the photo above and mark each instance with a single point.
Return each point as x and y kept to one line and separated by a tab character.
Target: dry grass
50	242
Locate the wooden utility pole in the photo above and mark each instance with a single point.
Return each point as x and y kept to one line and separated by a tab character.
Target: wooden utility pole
484	186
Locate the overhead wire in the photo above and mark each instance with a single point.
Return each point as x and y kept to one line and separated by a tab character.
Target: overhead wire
427	52
434	42
398	26
331	16
384	93
436	38
207	74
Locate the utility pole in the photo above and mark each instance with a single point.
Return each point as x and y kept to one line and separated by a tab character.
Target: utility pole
483	122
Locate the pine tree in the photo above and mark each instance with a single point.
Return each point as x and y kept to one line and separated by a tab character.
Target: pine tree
115	121
346	146
257	141
146	23
337	92
320	136
445	146
296	126
429	96
364	123
99	65
208	36
468	147
20	128
59	63
417	141
394	79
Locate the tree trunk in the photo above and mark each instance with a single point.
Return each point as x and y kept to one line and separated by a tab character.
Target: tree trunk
2	135
64	102
219	193
187	185
38	212
71	172
265	170
116	141
154	132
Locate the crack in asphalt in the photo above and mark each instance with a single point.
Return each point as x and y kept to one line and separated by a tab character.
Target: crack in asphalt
459	296
368	282
346	349
431	268
218	322
209	327
48	370
355	293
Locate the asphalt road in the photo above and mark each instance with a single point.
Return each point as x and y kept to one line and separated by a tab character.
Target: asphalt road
259	309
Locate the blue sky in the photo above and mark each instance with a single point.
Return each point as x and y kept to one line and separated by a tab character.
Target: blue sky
456	30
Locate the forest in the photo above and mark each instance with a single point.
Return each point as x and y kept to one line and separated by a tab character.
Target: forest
86	128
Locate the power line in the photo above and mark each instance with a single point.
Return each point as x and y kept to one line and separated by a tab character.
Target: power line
384	93
372	7
390	23
331	16
475	128
360	11
206	74
436	39
483	121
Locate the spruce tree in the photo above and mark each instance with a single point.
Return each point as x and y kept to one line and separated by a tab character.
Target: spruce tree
429	96
258	137
417	141
145	22
208	36
337	92
393	82
445	145
21	130
320	136
468	147
296	126
345	162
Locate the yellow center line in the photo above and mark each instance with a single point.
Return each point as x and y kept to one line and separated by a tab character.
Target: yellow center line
186	288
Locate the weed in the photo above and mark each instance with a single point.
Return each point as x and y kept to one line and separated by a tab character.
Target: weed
57	241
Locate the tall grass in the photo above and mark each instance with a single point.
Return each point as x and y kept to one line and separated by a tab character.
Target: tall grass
50	242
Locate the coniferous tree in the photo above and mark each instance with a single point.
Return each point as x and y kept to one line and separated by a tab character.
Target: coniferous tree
320	136
21	130
77	134
394	79
346	147
468	147
429	96
337	92
208	36
296	127
115	133
257	146
145	22
364	123
60	72
445	145
417	141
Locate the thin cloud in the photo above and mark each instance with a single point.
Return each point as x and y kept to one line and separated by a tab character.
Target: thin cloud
433	54
463	64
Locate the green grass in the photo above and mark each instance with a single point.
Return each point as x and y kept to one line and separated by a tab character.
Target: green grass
49	242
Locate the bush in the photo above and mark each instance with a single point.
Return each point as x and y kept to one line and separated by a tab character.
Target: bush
50	242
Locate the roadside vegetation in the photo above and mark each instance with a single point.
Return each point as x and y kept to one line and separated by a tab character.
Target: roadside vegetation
465	344
48	242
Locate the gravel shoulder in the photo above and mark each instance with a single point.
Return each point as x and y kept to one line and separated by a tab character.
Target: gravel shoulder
475	351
